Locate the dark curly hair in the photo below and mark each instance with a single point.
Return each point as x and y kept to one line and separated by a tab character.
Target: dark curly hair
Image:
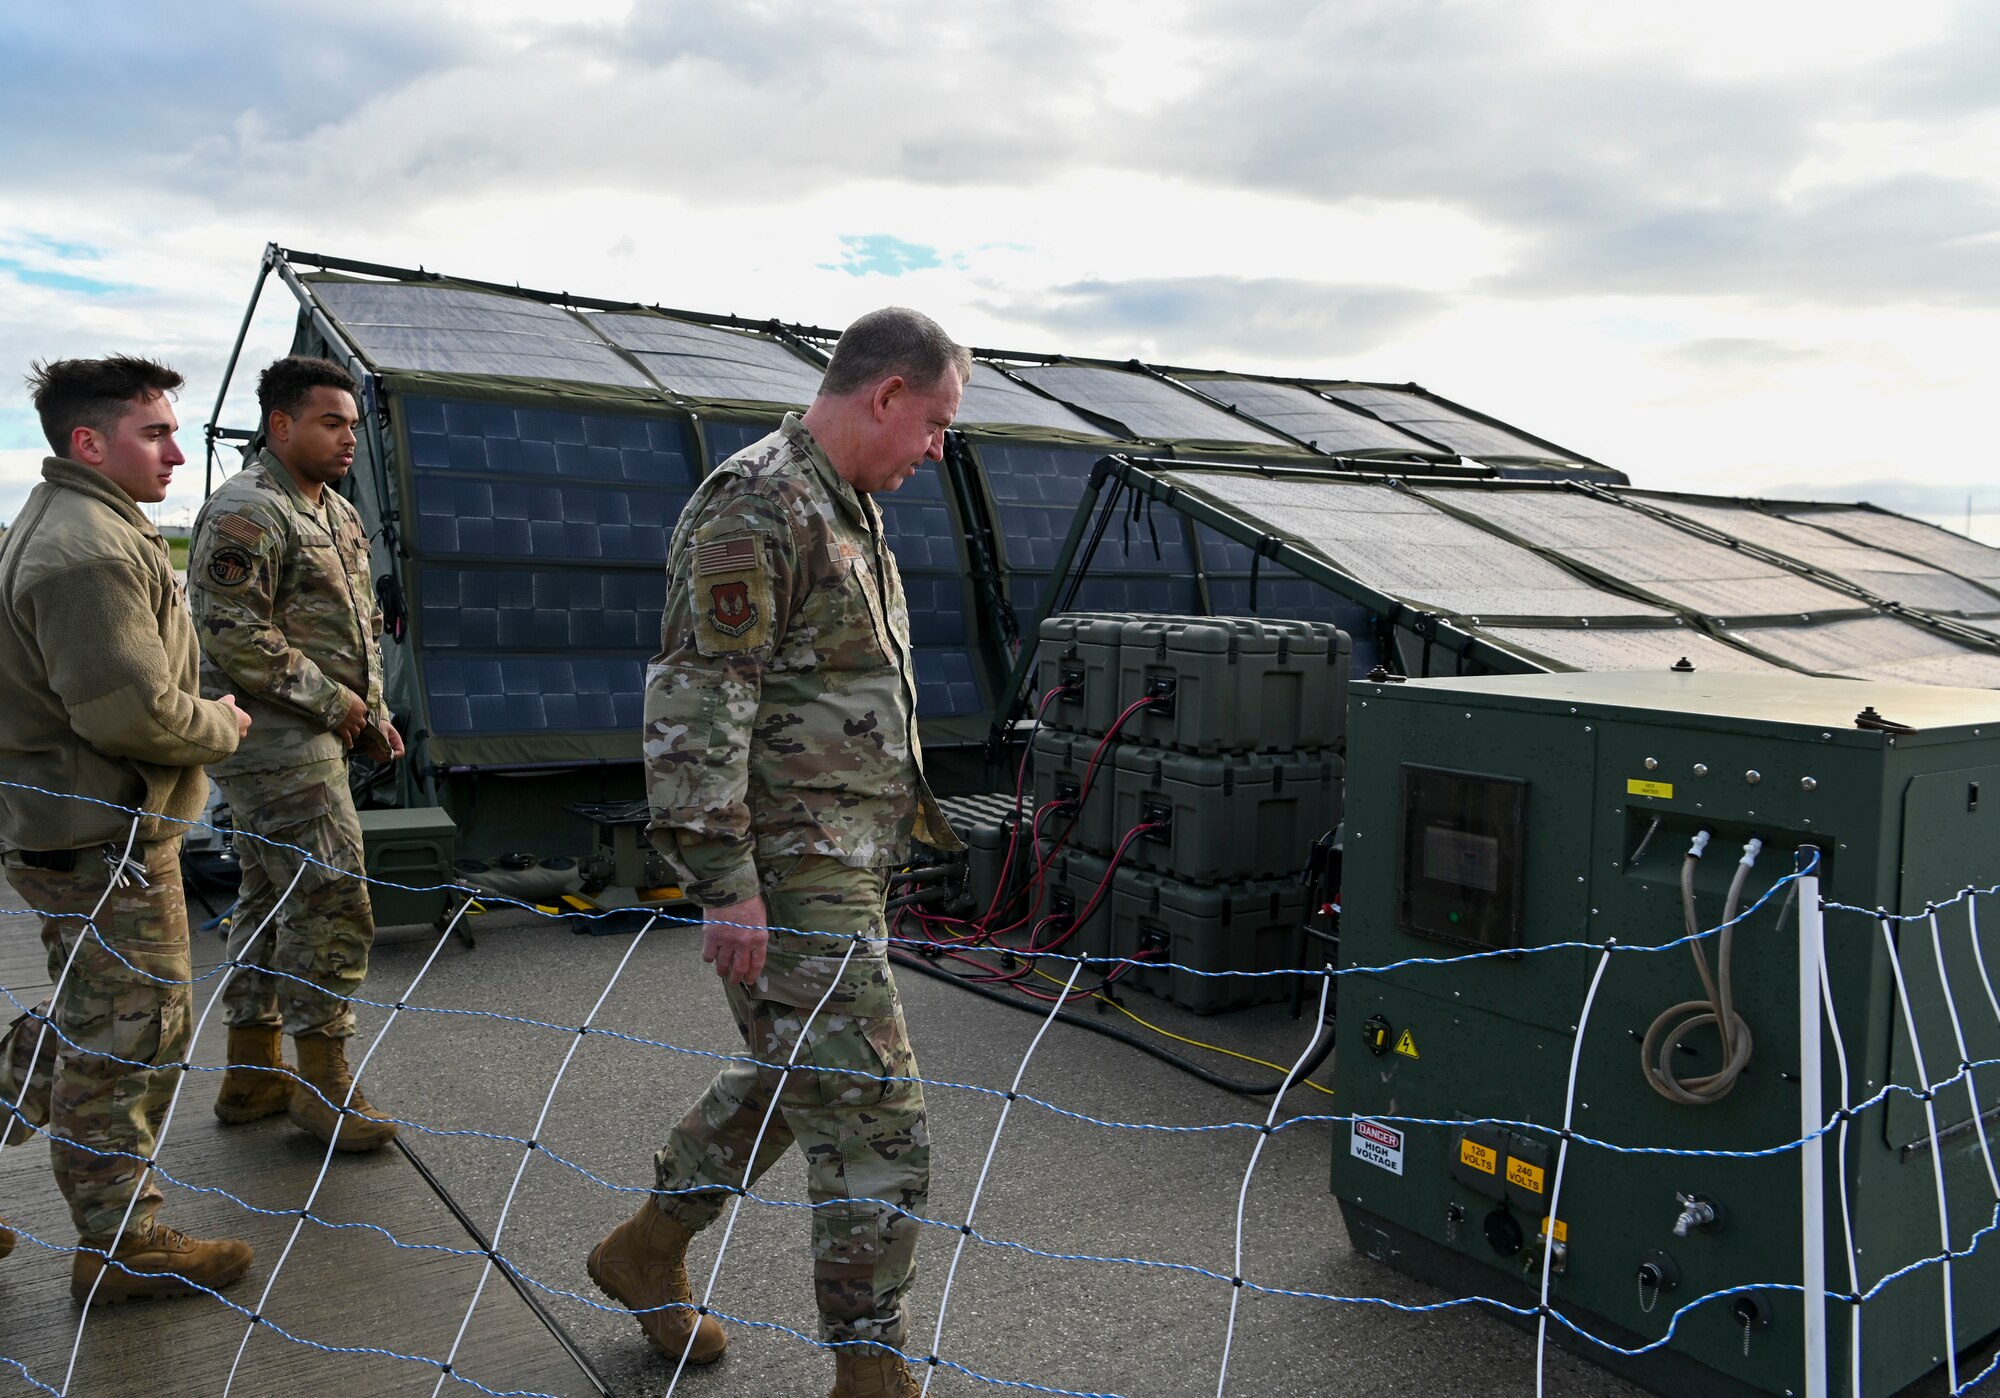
285	386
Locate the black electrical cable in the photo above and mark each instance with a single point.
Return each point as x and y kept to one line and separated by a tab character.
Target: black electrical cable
1165	1055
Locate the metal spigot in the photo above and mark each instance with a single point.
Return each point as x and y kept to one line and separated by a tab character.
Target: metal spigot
1697	1211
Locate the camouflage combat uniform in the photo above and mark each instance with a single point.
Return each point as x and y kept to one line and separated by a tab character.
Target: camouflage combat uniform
288	623
782	759
98	701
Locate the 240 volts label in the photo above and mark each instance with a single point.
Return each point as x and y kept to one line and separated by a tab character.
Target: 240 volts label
1522	1175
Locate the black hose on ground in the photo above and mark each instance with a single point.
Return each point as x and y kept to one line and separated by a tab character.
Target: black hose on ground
1165	1055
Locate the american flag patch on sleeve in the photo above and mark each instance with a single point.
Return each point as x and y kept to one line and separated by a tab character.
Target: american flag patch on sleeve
735	554
240	528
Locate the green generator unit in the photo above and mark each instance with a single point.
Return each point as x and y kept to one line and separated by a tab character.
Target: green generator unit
1502	815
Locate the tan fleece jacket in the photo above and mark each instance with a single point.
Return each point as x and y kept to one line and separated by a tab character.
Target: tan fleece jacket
98	689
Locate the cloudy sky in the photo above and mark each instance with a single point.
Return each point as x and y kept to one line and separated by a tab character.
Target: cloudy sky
1745	247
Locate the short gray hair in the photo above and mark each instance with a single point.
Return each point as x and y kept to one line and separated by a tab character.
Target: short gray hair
893	340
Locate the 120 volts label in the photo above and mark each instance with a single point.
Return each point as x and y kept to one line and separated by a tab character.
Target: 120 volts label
1479	1157
1379	1145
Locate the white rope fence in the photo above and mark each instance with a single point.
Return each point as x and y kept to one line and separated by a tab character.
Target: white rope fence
1575	1153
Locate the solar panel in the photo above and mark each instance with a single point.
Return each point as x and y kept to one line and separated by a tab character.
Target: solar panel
533	693
540	538
994	400
1401	545
1281	594
1939	547
1435	422
1889	576
708	361
1140	565
1305	415
1686	570
455	330
1147	407
1877	648
1607	648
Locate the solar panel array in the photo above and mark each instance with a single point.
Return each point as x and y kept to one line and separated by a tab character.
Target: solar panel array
1954	553
541	525
1877	648
712	361
1688	572
1146	407
1427	418
1033	491
1462	549
540	531
993	399
456	330
1889	576
1400	544
1326	426
1596	648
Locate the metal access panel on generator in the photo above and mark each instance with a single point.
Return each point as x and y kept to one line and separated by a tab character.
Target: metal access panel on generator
1501	833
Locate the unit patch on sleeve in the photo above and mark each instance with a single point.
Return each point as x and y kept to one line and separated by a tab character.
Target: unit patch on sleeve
229	566
730	609
730	593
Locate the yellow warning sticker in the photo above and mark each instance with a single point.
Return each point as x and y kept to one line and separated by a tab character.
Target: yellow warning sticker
1562	1230
1522	1175
1407	1045
1635	787
1479	1157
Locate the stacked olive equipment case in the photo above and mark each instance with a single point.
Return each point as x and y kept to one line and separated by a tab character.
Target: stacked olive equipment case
1193	761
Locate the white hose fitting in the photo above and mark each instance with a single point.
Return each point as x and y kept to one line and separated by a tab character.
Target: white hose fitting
1699	846
1751	851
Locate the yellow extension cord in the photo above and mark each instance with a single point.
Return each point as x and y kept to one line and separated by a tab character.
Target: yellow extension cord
1192	1043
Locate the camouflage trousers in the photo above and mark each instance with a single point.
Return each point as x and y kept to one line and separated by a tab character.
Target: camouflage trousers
322	932
865	1141
111	1007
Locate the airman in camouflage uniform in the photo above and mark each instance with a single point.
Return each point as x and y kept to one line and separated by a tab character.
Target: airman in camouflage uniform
99	711
786	778
278	572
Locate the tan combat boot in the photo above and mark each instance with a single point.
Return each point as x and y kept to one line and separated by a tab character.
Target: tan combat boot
255	1085
7	1238
865	1371
178	1263
642	1264
323	1065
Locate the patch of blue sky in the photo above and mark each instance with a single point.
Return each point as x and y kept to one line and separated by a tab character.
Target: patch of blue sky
20	430
61	248
34	272
882	255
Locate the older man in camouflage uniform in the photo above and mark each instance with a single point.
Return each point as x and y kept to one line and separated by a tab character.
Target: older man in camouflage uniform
279	575
786	779
98	712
